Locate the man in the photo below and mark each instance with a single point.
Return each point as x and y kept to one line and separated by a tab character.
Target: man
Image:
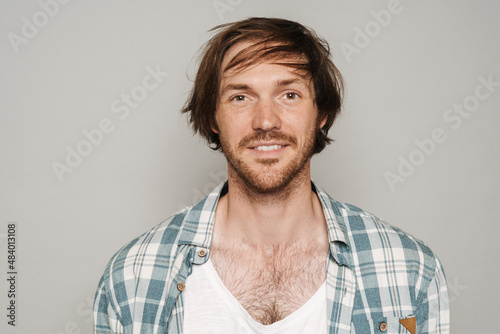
268	251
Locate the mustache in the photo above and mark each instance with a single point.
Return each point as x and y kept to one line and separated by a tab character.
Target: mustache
267	136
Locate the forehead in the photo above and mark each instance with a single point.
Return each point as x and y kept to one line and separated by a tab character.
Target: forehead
247	54
232	52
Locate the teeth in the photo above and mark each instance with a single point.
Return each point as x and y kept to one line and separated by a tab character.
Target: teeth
268	147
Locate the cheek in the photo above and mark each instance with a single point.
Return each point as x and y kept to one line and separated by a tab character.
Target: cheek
229	132
303	125
232	125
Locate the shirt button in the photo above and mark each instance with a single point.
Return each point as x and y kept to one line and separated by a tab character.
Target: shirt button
202	253
382	326
181	286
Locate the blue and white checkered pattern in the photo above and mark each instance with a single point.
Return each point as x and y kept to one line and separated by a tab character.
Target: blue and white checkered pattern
376	274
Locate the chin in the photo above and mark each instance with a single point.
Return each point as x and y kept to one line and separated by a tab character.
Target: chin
269	180
266	186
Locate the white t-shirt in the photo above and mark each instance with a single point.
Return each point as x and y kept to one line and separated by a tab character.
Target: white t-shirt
210	308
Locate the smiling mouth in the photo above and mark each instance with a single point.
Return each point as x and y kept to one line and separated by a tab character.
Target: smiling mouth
268	147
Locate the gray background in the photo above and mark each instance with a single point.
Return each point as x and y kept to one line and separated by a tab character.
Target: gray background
65	77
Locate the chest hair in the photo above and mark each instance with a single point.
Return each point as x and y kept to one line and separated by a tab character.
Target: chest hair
274	282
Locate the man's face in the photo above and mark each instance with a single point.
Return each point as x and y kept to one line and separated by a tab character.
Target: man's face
267	123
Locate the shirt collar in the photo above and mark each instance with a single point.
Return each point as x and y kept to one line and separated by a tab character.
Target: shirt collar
336	222
199	222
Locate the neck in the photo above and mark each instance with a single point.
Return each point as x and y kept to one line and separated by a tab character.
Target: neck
292	214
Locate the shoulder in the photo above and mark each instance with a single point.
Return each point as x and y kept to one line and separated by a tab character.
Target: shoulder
381	233
377	242
148	256
138	278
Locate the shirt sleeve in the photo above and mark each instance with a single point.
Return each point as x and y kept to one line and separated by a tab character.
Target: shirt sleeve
433	315
106	320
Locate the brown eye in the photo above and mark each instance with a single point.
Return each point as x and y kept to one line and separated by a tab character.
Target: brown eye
238	98
291	96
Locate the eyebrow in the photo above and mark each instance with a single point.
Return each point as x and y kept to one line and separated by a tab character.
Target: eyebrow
287	82
234	87
279	83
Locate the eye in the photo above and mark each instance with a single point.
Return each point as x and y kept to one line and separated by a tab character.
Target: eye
238	98
291	96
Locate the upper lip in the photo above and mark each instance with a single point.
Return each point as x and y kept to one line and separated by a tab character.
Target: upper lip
267	143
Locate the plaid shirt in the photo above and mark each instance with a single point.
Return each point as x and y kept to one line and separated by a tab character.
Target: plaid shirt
376	275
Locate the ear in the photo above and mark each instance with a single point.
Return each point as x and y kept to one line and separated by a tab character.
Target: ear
213	122
214	127
323	122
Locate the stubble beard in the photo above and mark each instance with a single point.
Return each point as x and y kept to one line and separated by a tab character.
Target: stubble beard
266	178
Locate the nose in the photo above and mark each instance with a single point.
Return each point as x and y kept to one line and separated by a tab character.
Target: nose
266	116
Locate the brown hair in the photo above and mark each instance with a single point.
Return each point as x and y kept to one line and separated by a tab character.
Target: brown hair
273	38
